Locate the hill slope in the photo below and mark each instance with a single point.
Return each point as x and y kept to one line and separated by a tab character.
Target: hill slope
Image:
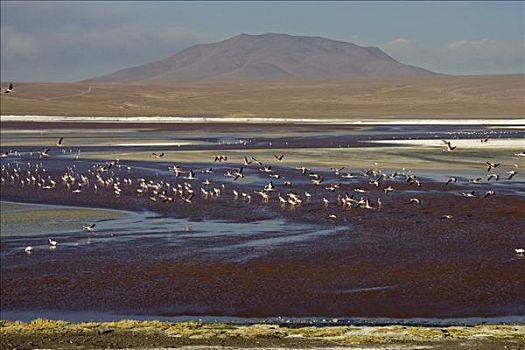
268	57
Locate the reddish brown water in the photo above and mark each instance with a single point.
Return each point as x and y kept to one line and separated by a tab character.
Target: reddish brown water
227	257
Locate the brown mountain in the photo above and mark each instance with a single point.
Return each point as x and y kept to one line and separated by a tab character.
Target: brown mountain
268	57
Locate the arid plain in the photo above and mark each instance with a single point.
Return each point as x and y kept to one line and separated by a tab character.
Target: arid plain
498	96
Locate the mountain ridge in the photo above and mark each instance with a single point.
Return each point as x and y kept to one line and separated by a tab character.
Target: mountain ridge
269	56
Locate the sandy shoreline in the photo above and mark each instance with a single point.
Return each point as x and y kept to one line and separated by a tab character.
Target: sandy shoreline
192	335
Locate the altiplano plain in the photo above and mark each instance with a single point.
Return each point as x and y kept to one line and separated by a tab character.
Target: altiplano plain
433	97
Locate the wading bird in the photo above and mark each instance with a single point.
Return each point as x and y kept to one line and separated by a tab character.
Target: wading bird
177	170
389	189
337	170
269	187
493	176
188	199
317	181
491	165
89	228
238	173
191	175
44	152
489	193
376	182
348	176
266	169
303	169
449	145
476	180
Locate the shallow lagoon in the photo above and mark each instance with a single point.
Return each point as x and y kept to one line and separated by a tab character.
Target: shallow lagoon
221	257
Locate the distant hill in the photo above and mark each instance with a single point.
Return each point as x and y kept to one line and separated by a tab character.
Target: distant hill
268	57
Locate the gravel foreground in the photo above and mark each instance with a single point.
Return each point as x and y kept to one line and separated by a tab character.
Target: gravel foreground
47	334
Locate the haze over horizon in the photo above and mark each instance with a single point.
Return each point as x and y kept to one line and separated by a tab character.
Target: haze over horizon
67	41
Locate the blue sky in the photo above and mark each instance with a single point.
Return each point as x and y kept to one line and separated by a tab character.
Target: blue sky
69	41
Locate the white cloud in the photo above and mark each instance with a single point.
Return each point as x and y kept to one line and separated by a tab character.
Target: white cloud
462	56
97	49
400	44
488	50
83	41
461	44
